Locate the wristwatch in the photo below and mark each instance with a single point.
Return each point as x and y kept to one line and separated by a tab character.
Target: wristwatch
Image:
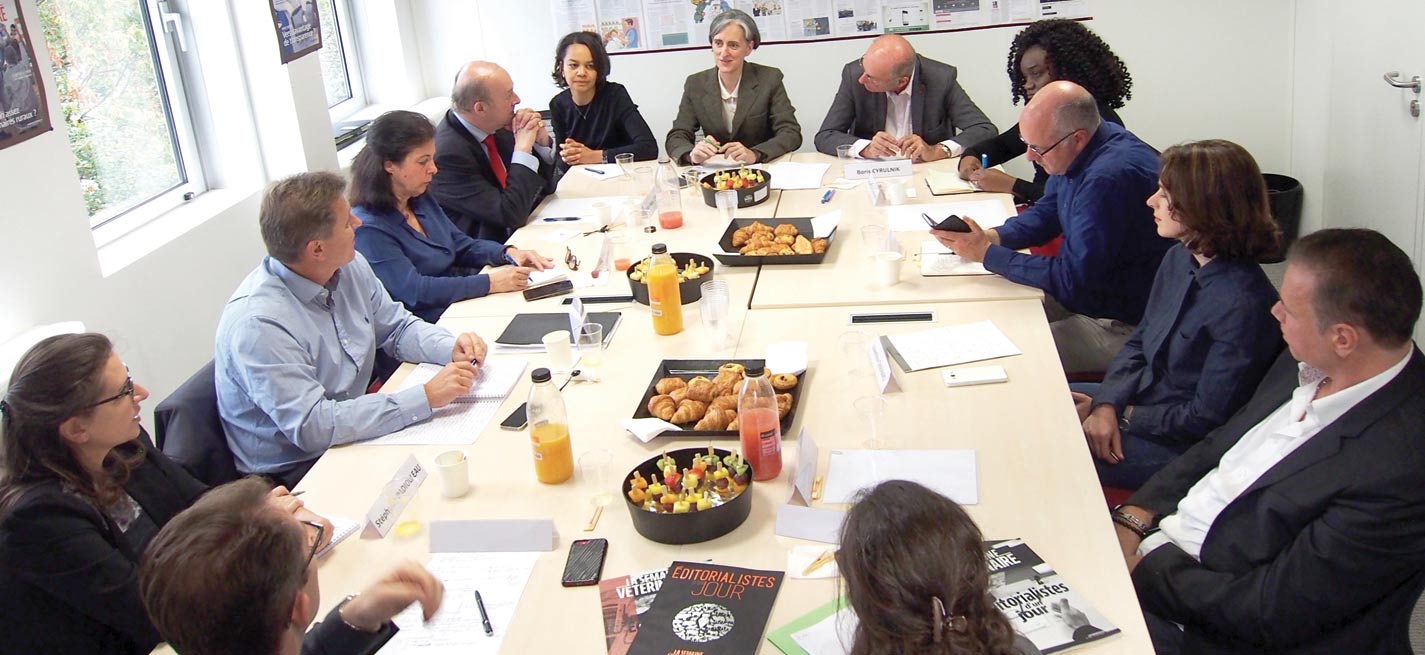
946	149
1123	421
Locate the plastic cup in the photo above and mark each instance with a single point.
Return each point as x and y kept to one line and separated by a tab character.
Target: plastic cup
871	410
843	152
726	205
713	307
875	238
454	473
594	471
591	345
895	192
888	268
625	162
561	357
603	213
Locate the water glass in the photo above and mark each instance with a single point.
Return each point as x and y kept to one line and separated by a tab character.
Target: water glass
726	205
871	411
591	345
594	471
843	152
875	238
713	306
625	162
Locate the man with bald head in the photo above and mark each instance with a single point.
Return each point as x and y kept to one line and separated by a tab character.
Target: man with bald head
1101	176
893	102
495	163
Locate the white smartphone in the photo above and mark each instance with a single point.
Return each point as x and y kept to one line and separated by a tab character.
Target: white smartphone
964	377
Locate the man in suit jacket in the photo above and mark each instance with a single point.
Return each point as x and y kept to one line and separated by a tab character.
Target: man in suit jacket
892	101
494	163
1299	525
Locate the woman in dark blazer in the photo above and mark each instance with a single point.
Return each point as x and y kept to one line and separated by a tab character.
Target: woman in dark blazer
594	118
741	108
1048	51
1208	335
424	261
82	491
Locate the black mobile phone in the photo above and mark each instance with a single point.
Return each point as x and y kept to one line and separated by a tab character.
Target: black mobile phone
517	420
585	563
952	223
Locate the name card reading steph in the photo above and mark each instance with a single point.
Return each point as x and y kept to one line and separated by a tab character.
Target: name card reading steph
860	170
395	496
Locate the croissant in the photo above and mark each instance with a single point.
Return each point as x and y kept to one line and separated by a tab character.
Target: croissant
724	402
716	419
666	386
726	383
819	246
689	411
801	246
785	239
661	406
759	226
784	405
701	389
733	425
787	229
741	235
679	395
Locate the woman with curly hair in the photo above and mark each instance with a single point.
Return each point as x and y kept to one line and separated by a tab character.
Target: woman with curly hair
1048	51
594	118
916	577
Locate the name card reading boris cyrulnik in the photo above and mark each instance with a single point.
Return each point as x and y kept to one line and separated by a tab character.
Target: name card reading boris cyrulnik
395	496
860	170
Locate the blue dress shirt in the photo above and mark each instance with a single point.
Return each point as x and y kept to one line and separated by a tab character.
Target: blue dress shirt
1111	248
425	272
1205	342
294	359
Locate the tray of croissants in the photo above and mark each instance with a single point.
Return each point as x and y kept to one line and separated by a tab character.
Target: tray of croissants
750	241
700	396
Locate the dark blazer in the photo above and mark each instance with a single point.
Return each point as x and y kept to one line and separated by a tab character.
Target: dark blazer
939	109
610	123
466	188
1324	553
332	636
68	578
765	122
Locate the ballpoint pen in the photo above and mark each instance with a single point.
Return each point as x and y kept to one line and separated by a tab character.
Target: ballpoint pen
484	618
826	197
984	160
595	171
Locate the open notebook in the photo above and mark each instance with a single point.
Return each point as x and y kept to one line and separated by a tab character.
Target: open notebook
498	376
947	182
341	529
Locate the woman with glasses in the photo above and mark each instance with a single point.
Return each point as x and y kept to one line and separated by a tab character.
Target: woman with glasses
82	491
1048	51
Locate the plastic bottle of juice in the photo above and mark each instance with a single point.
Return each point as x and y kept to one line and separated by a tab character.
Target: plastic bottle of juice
549	430
664	298
758	425
670	195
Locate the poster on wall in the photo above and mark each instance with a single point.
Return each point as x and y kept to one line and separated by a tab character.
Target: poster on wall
769	16
23	112
299	29
905	16
858	17
675	23
809	20
621	25
574	16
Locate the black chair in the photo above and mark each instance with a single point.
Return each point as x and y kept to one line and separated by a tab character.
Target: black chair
188	430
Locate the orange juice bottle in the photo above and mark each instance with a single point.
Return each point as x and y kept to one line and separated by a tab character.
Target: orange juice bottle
549	430
664	298
759	429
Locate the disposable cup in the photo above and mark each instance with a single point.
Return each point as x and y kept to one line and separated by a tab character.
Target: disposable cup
454	473
556	343
888	268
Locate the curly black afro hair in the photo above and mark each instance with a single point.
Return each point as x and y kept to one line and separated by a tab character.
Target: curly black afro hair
1076	55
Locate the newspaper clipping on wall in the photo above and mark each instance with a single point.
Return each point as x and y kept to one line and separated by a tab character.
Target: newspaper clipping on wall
23	112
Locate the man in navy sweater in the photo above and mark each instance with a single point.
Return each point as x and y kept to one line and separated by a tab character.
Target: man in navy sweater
1100	179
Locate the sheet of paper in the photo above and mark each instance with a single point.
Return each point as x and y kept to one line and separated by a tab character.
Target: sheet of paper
822	226
492	536
952	473
786	357
581	209
907	218
950	345
498	376
832	635
602	171
456	629
811	523
936	261
789	175
455	424
800	557
540	277
645	429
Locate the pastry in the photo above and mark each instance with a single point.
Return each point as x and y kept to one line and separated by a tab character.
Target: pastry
668	385
787	229
732	367
819	246
679	395
716	419
785	239
801	246
733	425
662	407
701	389
741	235
784	405
724	402
784	381
689	411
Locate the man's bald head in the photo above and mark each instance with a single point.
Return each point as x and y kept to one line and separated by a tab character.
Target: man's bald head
474	83
888	64
1059	121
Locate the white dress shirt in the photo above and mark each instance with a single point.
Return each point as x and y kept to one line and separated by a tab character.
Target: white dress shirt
1265	445
729	102
898	120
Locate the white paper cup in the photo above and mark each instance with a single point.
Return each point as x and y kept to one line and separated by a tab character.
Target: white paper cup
454	473
895	192
888	268
561	357
603	213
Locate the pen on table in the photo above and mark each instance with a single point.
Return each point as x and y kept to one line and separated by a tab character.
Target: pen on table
826	197
595	171
553	219
484	618
984	160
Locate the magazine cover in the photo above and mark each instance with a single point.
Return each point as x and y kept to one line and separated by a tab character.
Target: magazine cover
703	609
1039	604
624	599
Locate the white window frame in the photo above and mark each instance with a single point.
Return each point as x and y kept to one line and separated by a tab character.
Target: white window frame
351	55
169	40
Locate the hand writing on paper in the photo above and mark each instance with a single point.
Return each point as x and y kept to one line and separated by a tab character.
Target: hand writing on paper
989	179
469	347
450	383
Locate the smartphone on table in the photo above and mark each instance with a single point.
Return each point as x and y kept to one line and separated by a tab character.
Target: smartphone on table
585	563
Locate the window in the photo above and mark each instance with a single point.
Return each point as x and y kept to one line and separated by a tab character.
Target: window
341	70
120	86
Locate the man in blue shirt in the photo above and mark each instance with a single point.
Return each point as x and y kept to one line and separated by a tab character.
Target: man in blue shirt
297	341
1100	179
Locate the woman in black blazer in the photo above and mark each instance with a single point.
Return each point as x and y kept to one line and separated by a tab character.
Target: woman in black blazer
594	118
82	491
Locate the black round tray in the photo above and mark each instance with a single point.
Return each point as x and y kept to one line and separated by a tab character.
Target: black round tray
746	196
690	291
693	527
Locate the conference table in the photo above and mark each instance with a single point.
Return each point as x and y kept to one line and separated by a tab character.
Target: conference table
1035	477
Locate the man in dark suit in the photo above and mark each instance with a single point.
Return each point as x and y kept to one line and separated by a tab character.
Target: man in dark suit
893	102
1299	525
495	163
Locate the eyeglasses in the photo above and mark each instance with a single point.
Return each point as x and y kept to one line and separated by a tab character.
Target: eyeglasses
570	260
1041	153
126	390
316	541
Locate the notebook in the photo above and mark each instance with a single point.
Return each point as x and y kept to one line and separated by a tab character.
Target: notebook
341	529
947	182
526	331
498	376
936	260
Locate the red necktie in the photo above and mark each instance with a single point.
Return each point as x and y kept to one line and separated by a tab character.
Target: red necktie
496	164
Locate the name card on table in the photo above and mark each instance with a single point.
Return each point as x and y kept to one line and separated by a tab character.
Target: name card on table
881	364
863	169
805	474
394	497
